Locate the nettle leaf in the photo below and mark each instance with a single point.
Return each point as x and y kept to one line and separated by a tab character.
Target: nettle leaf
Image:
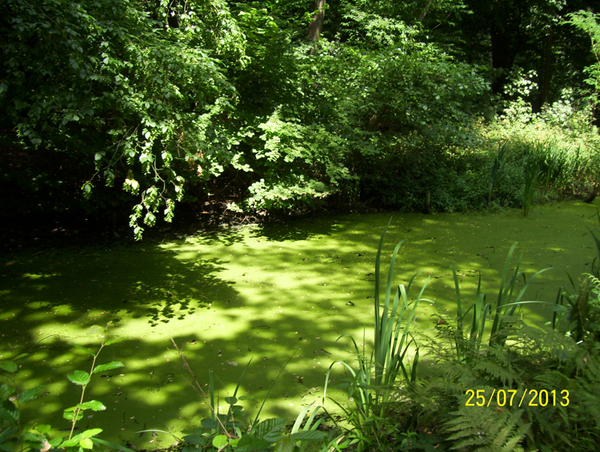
79	377
210	424
109	366
270	429
285	444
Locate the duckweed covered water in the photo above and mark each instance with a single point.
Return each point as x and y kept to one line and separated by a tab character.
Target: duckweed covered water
265	293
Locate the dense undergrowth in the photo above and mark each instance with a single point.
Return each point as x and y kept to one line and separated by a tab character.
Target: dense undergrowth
482	379
228	104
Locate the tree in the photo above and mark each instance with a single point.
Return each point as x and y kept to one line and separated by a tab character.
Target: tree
118	85
316	26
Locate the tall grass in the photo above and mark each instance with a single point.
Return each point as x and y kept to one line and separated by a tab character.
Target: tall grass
503	312
372	380
497	168
532	173
580	307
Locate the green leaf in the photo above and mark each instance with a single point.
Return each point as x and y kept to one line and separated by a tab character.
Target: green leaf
285	444
79	377
6	391
87	189
55	442
309	435
28	395
115	340
93	405
33	437
9	412
69	414
89	433
109	366
209	424
195	439
269	429
219	441
94	330
9	366
79	347
84	435
44	428
86	443
251	442
231	400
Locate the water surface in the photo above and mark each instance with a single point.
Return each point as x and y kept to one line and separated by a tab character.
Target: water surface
266	293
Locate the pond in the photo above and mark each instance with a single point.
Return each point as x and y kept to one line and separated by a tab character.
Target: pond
269	293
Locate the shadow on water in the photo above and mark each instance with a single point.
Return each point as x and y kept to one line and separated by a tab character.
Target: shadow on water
152	292
265	293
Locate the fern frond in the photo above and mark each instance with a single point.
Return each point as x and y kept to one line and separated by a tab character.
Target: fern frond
485	429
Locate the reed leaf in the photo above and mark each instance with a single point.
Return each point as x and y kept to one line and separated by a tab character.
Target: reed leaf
481	310
372	381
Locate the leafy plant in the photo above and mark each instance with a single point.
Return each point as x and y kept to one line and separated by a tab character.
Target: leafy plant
469	334
15	436
371	385
580	310
82	378
228	432
486	430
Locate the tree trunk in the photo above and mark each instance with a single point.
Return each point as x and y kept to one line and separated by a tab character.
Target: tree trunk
316	26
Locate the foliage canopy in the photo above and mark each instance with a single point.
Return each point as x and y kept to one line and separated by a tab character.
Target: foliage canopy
174	101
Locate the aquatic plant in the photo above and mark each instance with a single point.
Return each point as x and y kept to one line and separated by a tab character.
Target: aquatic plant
580	309
370	386
229	432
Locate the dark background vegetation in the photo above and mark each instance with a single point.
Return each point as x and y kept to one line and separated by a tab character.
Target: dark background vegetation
113	112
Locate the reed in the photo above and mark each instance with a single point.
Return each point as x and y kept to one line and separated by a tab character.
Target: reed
470	333
532	173
372	381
